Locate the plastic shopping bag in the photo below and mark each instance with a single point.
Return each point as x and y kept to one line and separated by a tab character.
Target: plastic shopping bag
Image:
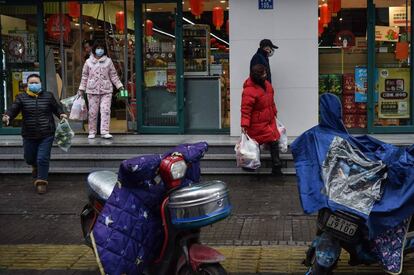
64	135
79	110
67	103
283	141
247	153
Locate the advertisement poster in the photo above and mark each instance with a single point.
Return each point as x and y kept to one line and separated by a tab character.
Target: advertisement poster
398	16
387	34
155	78
394	89
361	85
330	83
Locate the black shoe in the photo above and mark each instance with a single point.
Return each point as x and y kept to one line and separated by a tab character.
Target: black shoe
277	171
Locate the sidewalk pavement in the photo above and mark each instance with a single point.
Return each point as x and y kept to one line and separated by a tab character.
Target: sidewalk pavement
266	234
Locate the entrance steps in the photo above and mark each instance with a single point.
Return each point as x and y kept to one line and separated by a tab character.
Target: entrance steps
86	155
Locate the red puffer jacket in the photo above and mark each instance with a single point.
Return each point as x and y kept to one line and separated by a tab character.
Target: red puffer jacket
258	112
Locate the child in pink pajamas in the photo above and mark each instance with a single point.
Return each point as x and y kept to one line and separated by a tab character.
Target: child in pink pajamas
98	75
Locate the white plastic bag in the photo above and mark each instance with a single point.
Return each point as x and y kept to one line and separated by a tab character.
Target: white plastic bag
79	110
283	141
247	153
64	135
68	103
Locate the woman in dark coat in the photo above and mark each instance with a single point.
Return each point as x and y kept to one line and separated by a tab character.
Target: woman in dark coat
38	129
258	113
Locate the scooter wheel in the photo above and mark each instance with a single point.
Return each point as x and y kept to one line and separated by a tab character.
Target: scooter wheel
207	269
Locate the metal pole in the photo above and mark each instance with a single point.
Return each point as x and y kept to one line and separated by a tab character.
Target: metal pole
411	60
371	64
126	60
62	52
81	33
125	45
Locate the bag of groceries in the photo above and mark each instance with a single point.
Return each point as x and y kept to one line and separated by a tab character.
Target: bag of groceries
64	135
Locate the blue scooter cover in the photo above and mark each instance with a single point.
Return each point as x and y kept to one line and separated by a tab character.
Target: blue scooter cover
310	150
128	233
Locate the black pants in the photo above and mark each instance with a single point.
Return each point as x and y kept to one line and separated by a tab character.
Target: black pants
274	154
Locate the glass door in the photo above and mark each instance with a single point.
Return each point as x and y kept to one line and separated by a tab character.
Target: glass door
19	55
161	67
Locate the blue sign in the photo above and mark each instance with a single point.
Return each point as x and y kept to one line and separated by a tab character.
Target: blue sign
265	4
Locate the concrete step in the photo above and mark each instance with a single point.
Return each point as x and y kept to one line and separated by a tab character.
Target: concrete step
92	161
204	171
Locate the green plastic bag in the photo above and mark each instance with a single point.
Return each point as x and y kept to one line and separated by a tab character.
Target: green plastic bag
64	135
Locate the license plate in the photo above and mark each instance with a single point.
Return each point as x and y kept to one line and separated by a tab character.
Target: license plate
342	225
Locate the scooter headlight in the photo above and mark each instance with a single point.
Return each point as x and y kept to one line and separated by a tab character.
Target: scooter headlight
178	170
173	169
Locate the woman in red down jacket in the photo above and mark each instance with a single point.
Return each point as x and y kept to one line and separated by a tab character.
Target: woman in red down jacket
258	113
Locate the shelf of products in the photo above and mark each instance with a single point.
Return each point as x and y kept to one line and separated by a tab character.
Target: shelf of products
196	49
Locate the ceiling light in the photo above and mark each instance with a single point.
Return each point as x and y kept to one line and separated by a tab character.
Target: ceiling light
149	10
223	1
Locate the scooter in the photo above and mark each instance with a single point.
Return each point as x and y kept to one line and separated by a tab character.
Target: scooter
341	229
184	211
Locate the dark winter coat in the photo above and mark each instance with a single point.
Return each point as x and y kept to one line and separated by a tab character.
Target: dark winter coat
260	57
37	114
258	112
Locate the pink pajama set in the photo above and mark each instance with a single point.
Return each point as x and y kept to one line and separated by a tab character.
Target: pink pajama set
97	78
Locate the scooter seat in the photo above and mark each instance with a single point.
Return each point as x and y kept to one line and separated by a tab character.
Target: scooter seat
101	184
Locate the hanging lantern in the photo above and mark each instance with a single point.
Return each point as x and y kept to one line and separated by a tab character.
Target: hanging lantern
320	27
218	17
74	9
336	7
326	15
227	27
119	21
148	28
53	27
196	8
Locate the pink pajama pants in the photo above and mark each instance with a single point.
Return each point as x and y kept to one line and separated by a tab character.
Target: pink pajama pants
102	102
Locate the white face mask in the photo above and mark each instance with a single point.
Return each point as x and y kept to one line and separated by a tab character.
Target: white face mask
271	53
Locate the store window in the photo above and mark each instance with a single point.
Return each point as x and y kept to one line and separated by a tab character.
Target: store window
160	93
343	58
392	43
206	64
343	61
19	52
70	32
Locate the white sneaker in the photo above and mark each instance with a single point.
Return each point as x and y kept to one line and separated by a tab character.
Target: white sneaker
107	136
91	136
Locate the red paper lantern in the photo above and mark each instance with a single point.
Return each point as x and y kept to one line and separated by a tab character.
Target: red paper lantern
334	6
227	27
119	21
148	28
326	15
196	8
53	27
320	27
218	17
213	41
74	9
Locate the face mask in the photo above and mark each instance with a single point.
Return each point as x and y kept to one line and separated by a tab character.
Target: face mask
271	53
35	87
99	52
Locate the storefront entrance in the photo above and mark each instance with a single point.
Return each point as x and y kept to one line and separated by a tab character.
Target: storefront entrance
174	65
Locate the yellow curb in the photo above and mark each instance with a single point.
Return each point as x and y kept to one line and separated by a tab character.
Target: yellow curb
239	259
